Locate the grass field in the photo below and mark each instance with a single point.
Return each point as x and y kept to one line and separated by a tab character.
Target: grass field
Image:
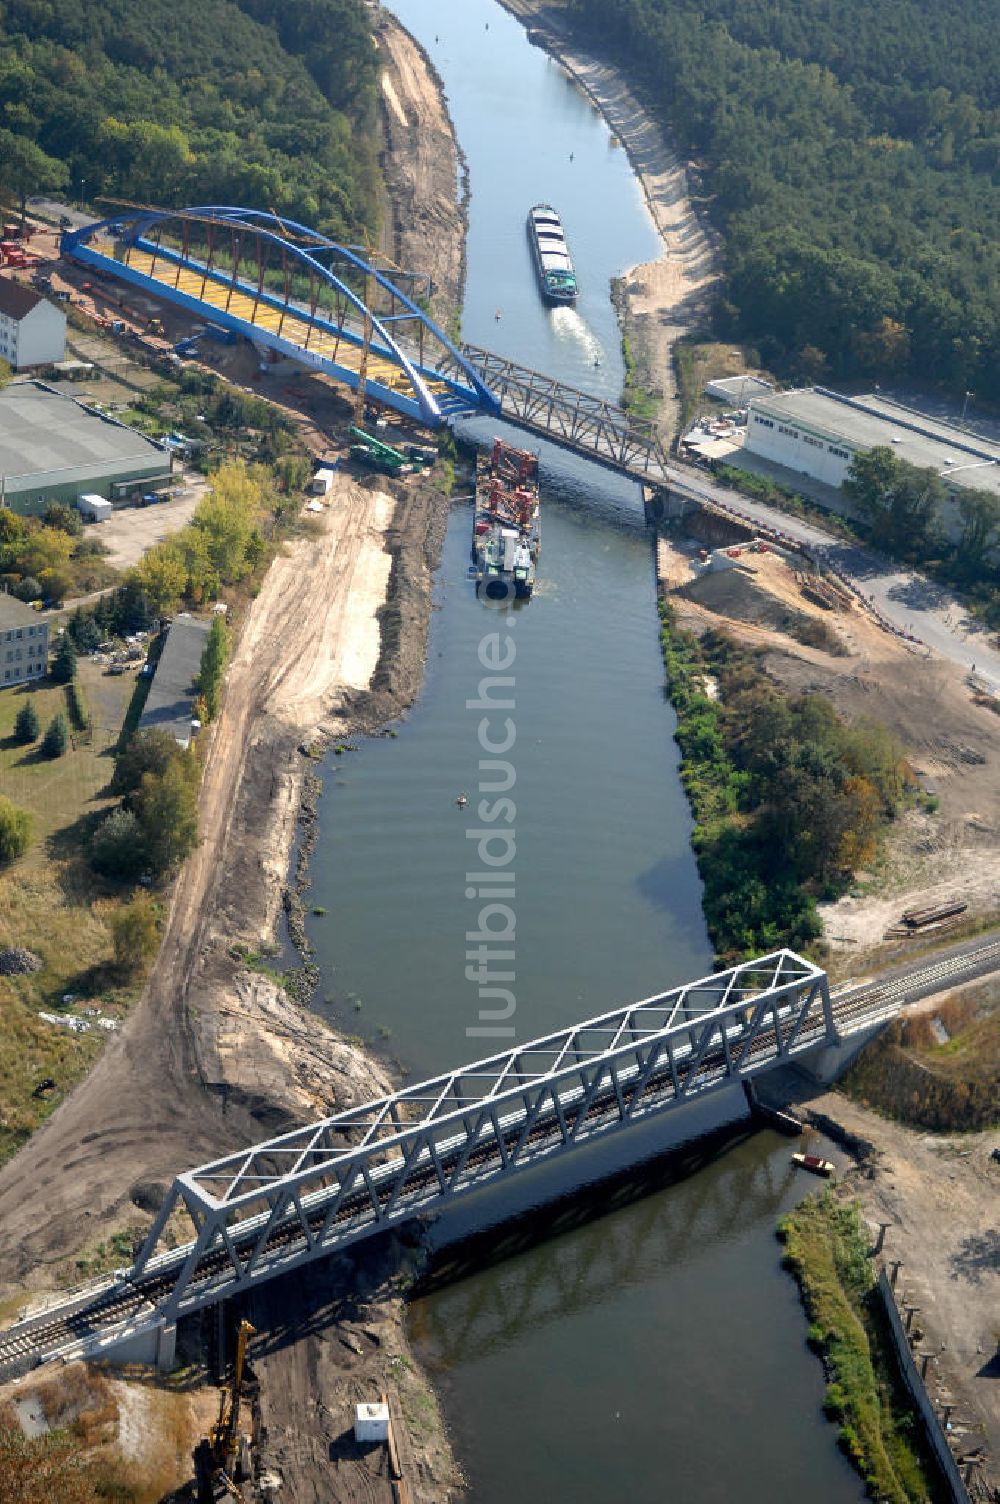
52	903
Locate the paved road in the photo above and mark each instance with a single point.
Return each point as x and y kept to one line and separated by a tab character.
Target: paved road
52	208
911	602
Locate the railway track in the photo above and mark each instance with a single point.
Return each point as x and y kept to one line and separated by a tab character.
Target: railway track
388	1194
917	982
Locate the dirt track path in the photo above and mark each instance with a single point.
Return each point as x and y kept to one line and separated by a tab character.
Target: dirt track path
143	1114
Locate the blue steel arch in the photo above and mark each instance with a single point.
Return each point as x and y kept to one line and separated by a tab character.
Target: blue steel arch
435	395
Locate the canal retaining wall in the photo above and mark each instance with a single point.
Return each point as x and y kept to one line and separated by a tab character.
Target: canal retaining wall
937	1438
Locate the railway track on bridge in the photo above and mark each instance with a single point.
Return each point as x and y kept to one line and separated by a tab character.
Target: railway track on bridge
90	1315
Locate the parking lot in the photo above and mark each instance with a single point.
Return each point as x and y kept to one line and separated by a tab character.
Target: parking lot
131	530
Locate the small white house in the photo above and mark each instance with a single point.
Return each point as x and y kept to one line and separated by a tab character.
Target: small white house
371	1423
32	330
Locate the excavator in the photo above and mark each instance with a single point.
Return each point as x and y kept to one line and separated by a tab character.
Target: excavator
223	1456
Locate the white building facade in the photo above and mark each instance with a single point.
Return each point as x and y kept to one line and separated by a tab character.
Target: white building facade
817	433
32	330
24	643
799	445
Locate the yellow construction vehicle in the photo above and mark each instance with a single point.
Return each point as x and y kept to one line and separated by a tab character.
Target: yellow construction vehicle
224	1454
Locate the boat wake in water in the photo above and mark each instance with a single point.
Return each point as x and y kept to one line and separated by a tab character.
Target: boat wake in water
572	327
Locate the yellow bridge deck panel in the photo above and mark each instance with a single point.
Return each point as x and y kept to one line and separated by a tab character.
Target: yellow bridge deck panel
294	324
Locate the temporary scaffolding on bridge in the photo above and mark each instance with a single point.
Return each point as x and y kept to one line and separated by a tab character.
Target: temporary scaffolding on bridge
289	289
296	1197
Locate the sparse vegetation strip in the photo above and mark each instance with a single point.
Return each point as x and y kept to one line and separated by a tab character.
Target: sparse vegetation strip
826	1249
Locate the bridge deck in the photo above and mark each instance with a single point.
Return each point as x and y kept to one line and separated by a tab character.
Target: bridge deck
282	1203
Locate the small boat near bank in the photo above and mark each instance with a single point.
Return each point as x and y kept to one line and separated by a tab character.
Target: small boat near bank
553	262
815	1164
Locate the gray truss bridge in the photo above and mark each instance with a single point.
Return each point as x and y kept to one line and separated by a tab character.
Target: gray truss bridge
589	426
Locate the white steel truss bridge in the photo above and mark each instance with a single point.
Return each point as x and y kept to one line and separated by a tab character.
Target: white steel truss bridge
276	1206
307	1193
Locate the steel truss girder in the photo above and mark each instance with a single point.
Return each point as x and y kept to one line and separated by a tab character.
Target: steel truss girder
590	425
303	1194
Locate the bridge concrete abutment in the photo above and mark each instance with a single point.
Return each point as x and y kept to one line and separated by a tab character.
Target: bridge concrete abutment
152	1346
827	1063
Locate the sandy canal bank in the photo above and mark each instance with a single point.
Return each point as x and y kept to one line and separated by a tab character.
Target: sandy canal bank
664	299
216	1054
421	162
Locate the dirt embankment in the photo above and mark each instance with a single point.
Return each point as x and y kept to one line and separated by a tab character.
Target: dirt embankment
421	164
658	301
216	1054
939	1198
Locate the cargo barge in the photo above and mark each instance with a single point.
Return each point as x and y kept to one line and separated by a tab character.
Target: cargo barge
553	262
506	534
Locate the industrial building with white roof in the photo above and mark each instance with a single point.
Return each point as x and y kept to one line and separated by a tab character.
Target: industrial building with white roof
818	432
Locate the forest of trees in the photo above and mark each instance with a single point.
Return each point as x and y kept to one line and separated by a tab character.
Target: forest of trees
852	157
268	103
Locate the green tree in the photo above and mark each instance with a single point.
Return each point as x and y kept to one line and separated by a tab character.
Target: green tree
161	576
64	660
56	738
15	830
135	934
67	519
83	629
980	540
213	666
29	589
25	168
902	502
167	808
6	374
118	849
147	752
27	727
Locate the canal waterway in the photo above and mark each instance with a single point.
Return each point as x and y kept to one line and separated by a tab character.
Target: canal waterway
657	1348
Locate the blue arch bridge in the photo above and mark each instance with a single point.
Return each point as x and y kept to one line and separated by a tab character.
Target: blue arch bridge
278	1205
294	291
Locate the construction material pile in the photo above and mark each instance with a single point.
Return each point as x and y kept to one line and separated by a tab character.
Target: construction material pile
16	961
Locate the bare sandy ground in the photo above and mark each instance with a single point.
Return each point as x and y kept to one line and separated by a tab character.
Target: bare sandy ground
666	297
949	740
941	1199
132	530
421	165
